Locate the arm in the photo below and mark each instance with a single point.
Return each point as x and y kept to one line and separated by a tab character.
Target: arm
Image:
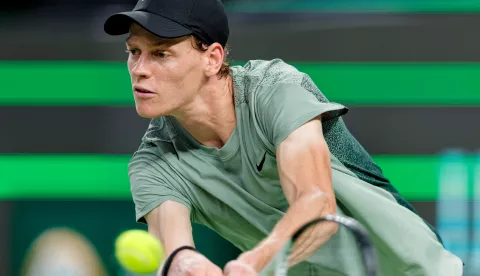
305	174
170	222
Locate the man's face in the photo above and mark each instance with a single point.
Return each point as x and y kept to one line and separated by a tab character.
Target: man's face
166	74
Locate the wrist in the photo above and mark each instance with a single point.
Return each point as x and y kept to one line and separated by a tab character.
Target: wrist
260	256
171	257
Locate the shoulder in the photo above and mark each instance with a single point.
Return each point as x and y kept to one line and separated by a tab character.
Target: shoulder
272	68
155	144
256	72
260	78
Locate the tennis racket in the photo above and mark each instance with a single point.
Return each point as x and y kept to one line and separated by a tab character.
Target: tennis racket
278	266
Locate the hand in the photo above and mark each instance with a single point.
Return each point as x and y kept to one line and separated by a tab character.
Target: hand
239	268
191	263
310	241
251	262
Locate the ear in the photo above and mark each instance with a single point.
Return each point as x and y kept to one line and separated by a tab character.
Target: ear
214	55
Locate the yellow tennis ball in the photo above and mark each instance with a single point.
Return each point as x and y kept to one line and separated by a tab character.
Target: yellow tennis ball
138	251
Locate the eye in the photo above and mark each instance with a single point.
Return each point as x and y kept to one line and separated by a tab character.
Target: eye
133	52
160	54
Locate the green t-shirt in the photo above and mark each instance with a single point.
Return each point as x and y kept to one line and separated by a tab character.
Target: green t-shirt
236	190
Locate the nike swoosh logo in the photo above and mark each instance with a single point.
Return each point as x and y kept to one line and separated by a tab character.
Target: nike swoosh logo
260	166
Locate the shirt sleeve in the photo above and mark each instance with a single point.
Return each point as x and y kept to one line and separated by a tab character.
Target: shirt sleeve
152	182
284	107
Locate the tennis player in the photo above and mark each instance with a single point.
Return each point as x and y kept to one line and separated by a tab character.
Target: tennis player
253	152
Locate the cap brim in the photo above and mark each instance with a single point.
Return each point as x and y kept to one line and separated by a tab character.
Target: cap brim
119	24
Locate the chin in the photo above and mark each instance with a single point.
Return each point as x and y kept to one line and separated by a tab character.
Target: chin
148	112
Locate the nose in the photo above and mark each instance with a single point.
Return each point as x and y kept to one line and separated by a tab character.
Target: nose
141	68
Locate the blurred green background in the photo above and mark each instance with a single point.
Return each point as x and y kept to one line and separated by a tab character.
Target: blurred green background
408	70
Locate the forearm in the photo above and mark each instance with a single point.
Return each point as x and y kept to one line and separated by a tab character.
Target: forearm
314	237
170	223
304	210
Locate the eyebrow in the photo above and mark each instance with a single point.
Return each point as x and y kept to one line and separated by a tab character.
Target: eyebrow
159	42
165	42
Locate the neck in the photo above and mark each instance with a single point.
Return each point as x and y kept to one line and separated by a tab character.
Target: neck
210	117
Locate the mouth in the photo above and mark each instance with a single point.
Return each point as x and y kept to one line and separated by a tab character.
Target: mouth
143	93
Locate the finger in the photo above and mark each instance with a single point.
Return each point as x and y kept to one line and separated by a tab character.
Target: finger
302	244
215	271
308	244
228	268
246	270
232	269
236	268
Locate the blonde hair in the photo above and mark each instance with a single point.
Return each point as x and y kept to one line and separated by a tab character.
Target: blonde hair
201	45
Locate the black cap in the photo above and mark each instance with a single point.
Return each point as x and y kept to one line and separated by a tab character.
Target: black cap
175	18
